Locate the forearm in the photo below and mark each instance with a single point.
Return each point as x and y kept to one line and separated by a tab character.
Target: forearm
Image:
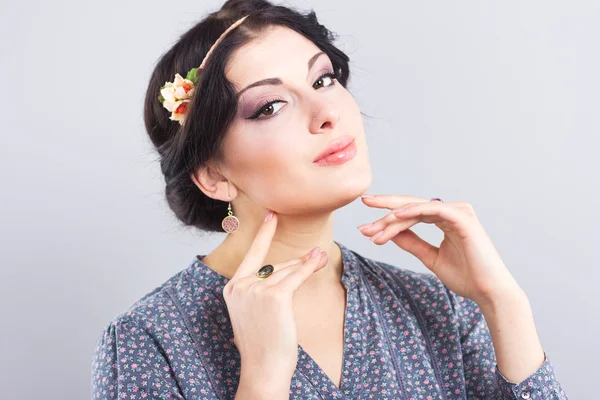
519	352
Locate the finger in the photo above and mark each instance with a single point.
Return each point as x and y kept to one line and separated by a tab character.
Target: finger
259	248
283	273
378	225
392	229
411	242
429	212
300	273
436	212
391	201
252	278
435	205
399	233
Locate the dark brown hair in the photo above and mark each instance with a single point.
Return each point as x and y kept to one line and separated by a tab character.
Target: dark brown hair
183	149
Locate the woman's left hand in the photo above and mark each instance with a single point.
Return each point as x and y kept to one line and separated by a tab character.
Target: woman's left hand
466	261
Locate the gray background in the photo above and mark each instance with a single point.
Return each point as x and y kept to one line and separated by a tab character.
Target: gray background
494	104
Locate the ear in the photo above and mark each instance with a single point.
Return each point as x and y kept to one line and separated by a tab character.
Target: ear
212	183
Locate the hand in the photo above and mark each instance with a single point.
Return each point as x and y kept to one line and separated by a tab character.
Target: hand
466	261
262	313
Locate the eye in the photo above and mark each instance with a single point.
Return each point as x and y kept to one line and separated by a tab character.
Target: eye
329	76
267	109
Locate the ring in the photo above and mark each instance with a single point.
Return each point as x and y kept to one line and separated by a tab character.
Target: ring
265	271
436	199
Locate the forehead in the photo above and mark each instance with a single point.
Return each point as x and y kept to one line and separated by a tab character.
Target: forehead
277	52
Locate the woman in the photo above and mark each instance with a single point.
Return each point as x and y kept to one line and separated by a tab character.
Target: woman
279	309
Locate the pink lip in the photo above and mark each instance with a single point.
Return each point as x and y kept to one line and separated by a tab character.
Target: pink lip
338	151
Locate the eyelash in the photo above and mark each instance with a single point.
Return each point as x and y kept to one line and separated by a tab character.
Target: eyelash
330	74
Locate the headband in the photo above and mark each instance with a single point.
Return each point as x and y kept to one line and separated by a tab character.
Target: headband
176	95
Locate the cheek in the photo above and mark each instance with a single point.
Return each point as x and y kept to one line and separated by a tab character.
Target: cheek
350	107
270	172
264	158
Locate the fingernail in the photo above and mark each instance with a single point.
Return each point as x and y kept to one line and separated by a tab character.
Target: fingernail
366	196
269	215
314	251
364	226
375	236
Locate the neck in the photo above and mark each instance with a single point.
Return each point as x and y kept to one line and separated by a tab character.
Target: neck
295	237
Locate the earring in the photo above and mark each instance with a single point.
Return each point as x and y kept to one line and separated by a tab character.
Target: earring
230	222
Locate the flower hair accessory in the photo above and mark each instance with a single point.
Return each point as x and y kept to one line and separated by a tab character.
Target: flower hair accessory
175	96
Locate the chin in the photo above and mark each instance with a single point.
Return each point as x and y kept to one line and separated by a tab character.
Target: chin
360	183
348	189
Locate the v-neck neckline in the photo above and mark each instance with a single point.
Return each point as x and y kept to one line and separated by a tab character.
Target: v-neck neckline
350	278
306	364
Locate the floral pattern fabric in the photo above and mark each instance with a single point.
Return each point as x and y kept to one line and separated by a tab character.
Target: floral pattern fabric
406	336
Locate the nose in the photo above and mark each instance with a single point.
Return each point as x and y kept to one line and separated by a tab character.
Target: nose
325	119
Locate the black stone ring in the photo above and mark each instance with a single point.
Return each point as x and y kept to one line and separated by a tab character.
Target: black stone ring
265	271
436	199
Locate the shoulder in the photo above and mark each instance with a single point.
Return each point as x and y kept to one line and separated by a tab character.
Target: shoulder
137	345
140	334
153	304
155	310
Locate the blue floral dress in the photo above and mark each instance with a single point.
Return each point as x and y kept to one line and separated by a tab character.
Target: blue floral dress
406	336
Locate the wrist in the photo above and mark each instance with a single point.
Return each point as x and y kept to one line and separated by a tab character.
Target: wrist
262	388
505	299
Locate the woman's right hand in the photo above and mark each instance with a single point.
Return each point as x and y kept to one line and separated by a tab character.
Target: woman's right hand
262	313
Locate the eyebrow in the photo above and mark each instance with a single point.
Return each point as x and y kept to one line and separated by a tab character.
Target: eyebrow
277	81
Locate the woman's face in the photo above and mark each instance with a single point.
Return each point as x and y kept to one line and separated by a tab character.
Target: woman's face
270	149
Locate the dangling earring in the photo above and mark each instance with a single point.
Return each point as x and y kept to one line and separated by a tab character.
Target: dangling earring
230	222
